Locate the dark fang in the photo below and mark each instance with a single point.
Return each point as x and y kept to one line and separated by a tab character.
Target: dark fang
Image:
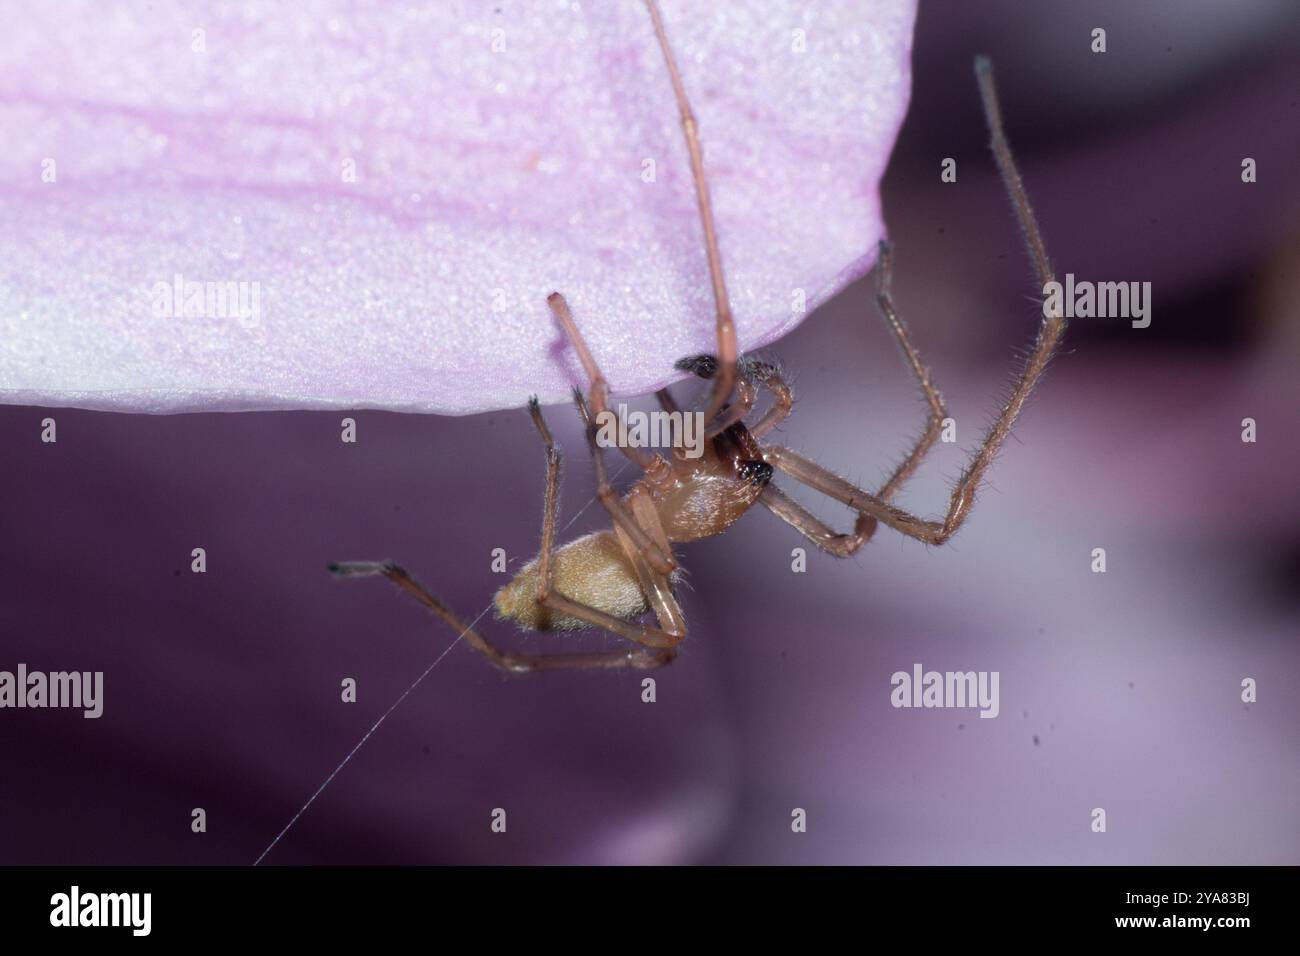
704	366
755	472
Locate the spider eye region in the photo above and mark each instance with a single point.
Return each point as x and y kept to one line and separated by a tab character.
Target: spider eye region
756	472
703	366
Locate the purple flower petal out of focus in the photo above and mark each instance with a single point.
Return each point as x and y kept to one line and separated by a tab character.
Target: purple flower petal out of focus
372	203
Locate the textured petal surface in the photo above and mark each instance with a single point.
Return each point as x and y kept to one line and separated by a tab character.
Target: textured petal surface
393	189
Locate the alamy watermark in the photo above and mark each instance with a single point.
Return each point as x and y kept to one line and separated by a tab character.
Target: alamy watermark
922	688
1101	300
182	299
81	690
659	429
75	908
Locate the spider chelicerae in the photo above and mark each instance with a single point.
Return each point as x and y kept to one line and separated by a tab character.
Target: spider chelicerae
609	579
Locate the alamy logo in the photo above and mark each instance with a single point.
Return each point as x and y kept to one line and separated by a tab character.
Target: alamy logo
660	429
75	908
922	688
178	299
82	690
1102	300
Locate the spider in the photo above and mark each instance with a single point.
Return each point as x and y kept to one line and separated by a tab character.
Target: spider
611	578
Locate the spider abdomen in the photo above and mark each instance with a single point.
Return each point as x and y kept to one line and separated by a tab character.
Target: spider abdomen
592	570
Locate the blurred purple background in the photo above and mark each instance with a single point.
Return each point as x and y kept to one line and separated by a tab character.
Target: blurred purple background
1118	690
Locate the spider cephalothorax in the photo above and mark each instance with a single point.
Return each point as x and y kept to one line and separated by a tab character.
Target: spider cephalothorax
610	579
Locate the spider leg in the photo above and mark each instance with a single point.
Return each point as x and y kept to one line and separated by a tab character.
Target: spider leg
656	587
842	545
666	401
523	662
813	528
1050	331
599	385
770	378
659	643
938	412
807	524
753	373
728	352
660	558
514	662
832	485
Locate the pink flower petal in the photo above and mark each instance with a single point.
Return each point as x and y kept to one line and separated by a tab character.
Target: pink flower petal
484	179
